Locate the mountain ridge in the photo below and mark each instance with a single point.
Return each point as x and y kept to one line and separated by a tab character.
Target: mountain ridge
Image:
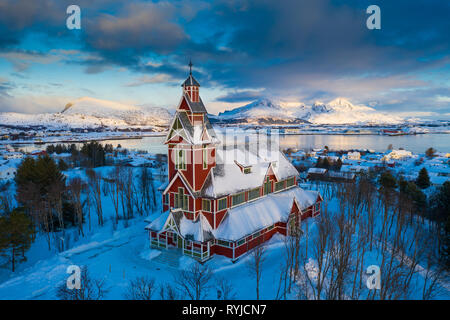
92	113
336	111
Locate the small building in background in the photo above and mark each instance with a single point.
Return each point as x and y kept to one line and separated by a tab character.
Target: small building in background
397	155
7	172
354	155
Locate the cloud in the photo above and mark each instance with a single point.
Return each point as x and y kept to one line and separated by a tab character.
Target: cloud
295	49
22	59
137	29
32	103
159	78
5	87
240	96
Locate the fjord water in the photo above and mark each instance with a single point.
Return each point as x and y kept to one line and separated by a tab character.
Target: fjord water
415	143
379	143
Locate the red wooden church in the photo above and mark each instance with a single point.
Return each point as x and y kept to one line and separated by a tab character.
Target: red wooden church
220	198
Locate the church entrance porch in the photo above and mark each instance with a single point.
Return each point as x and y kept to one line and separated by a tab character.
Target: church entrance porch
197	250
170	239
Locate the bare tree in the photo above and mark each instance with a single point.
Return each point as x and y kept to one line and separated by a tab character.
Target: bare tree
255	265
90	289
168	292
195	281
95	183
225	290
114	187
55	193
75	188
146	190
142	288
321	253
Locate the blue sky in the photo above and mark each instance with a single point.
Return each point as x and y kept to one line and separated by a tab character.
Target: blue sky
137	52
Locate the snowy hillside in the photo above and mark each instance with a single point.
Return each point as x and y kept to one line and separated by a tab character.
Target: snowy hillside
337	111
91	113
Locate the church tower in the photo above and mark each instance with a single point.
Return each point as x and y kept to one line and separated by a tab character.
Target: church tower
191	86
191	139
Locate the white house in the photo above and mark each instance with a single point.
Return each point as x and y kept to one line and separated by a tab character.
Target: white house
13	155
7	172
397	155
354	155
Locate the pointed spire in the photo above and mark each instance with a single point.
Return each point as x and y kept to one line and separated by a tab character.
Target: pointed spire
190	66
190	81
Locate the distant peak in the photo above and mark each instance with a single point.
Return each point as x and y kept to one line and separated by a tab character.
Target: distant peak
340	102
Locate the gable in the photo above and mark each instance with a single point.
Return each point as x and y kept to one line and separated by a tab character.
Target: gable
170	224
178	178
183	104
295	207
180	127
205	135
177	130
271	174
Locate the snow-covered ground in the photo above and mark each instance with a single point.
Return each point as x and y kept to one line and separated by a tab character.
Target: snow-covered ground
119	255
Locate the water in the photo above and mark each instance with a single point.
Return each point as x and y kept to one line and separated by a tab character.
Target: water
415	143
379	143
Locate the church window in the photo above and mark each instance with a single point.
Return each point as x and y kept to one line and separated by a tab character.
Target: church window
206	205
222	204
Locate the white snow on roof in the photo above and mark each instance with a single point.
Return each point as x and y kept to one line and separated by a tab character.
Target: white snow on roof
354	168
338	174
317	170
195	229
354	155
246	219
398	154
227	177
159	222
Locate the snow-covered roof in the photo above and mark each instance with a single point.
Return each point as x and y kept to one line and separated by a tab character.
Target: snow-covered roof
228	178
317	170
398	154
194	134
196	107
264	212
343	175
242	220
354	155
190	81
355	168
159	222
199	230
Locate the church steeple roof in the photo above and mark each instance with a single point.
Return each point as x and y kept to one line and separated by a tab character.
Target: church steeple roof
190	81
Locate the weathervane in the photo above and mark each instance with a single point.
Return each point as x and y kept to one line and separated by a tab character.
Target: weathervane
190	67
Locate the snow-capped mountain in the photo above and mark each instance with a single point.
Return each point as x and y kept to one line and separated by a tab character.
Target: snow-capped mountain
337	111
91	113
111	113
261	111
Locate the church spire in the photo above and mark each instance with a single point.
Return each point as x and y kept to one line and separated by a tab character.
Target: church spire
191	86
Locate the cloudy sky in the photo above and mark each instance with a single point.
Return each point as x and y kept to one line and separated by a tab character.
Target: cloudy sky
137	52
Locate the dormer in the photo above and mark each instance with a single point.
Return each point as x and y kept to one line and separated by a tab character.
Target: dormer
245	169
